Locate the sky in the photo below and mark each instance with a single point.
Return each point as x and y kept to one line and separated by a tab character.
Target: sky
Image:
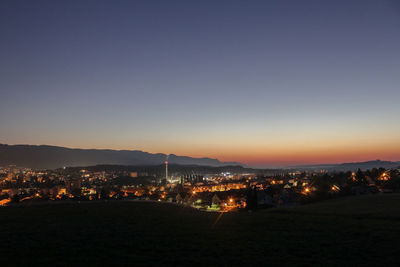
265	83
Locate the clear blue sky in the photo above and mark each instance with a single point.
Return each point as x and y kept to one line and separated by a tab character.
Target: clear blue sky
263	82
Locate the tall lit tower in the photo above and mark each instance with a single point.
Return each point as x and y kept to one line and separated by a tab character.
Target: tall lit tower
166	171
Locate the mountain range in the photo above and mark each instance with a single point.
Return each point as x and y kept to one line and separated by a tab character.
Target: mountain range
51	157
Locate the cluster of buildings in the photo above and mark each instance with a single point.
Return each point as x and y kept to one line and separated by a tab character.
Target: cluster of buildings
209	192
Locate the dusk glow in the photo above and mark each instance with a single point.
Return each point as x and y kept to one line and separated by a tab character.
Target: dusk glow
266	83
199	132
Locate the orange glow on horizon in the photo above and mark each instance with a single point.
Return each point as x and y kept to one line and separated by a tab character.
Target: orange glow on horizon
280	152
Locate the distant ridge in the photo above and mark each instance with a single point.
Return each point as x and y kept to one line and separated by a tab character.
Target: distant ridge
352	166
51	157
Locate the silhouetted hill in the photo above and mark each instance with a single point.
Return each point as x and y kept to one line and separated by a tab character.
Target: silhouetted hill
368	165
352	166
55	157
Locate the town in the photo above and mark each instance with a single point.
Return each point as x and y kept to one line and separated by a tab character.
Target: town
189	186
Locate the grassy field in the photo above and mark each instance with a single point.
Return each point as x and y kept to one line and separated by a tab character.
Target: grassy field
358	231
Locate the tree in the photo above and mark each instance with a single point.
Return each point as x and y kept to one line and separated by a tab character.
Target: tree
251	199
76	192
393	183
105	193
15	198
360	178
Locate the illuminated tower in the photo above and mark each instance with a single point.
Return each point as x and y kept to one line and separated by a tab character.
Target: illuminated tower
166	171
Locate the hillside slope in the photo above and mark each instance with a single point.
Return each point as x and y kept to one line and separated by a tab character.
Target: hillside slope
337	232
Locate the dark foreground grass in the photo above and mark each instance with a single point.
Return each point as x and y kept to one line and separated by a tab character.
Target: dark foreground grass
358	231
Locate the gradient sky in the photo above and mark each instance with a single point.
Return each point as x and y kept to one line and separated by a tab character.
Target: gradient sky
267	83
